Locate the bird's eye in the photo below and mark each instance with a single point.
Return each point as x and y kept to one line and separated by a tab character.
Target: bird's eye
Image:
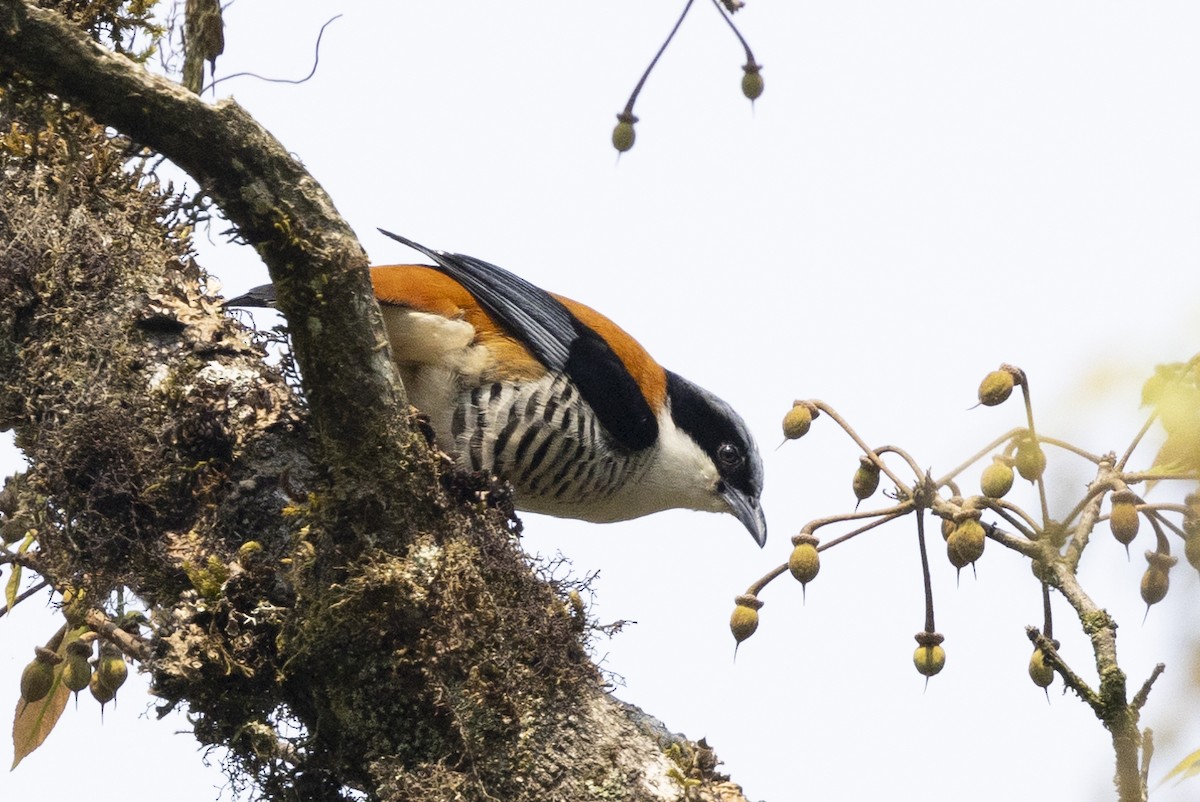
729	456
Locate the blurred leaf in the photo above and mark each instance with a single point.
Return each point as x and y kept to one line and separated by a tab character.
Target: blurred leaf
1188	767
14	579
1180	454
11	587
1164	375
34	722
1174	393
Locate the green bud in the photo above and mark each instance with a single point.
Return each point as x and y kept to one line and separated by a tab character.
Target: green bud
997	478
1030	460
1156	582
965	544
77	671
38	677
866	479
752	81
805	561
1123	519
996	387
623	135
111	671
798	420
1041	674
744	620
929	657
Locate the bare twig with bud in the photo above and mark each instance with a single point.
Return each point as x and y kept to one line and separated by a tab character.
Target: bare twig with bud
1054	547
623	135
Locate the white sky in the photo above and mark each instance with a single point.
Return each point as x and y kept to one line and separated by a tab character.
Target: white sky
923	191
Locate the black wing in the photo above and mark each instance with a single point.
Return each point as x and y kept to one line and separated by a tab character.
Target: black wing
558	340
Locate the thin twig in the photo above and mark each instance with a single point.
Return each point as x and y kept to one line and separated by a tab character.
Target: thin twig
1003	508
1137	439
1139	698
25	595
980	454
136	647
1095	459
849	430
912	463
903	509
311	73
729	19
1072	680
929	627
1017	544
641	81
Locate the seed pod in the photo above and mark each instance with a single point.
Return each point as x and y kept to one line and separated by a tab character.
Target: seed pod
965	544
929	657
1124	519
805	561
1030	460
744	620
1156	582
38	677
623	135
1041	674
111	670
866	479
995	388
997	478
100	692
798	420
752	81
77	671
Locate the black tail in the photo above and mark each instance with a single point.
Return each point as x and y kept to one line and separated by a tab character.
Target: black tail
263	295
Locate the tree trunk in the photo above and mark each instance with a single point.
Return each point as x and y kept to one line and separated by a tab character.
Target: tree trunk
328	596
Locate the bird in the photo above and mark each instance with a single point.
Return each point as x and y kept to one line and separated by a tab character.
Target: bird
555	398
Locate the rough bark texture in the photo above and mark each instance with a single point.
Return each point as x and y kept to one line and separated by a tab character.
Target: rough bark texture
329	599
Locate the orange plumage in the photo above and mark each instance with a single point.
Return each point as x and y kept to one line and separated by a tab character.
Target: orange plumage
425	289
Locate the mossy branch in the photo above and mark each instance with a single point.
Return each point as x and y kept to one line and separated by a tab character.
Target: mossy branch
355	395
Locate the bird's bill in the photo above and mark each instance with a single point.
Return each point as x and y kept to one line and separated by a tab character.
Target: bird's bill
749	512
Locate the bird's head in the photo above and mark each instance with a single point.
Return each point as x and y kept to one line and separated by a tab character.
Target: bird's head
731	470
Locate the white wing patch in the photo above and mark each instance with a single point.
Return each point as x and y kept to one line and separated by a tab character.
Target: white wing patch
436	356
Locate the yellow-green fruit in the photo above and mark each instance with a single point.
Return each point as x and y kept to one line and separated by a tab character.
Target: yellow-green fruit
752	81
111	671
995	388
744	620
1041	674
797	421
1155	584
929	659
866	479
101	692
77	671
997	478
37	679
805	562
966	542
1124	519
1030	460
623	135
